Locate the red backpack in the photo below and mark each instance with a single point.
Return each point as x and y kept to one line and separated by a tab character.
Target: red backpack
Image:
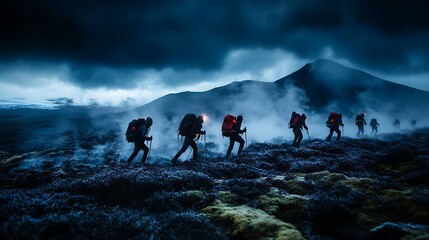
333	117
295	120
228	124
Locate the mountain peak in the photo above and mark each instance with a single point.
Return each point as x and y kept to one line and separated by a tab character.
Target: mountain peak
324	62
318	65
326	83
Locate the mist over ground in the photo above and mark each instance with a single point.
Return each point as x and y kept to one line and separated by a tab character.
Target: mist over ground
266	119
315	90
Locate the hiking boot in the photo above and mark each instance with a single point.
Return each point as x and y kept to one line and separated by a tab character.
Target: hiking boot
174	161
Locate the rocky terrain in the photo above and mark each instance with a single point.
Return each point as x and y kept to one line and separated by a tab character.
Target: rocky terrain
353	189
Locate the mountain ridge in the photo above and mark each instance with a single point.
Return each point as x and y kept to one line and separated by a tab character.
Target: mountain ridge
321	86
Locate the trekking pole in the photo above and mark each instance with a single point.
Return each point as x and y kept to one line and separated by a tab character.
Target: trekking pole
245	136
205	145
308	134
150	147
189	154
344	133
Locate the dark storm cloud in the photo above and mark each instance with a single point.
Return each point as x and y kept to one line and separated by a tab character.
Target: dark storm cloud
377	35
94	75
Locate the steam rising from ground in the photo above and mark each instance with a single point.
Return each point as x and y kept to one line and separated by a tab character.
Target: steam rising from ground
265	117
266	109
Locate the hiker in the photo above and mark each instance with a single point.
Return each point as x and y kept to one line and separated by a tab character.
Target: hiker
190	128
374	125
334	122
396	124
413	123
297	122
360	121
140	137
234	135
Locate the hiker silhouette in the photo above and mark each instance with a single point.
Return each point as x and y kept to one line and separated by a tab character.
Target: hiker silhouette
360	122
235	136
413	123
297	122
190	128
140	138
334	122
396	124
374	125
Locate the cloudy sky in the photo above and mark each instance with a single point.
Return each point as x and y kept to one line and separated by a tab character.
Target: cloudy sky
131	52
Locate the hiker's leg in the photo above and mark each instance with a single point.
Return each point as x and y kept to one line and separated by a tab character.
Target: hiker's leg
134	153
337	130
299	137
231	145
145	152
195	149
240	140
296	136
331	132
182	150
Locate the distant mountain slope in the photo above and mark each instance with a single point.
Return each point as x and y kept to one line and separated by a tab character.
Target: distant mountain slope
214	101
318	87
328	83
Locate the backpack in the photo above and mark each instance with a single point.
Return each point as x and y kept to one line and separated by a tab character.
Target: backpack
132	130
296	120
333	119
187	124
358	119
228	124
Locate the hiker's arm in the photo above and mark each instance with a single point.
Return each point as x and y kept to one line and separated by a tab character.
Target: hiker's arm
201	132
198	128
237	128
143	132
241	131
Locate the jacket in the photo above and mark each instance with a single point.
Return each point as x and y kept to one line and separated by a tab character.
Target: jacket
237	128
143	131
